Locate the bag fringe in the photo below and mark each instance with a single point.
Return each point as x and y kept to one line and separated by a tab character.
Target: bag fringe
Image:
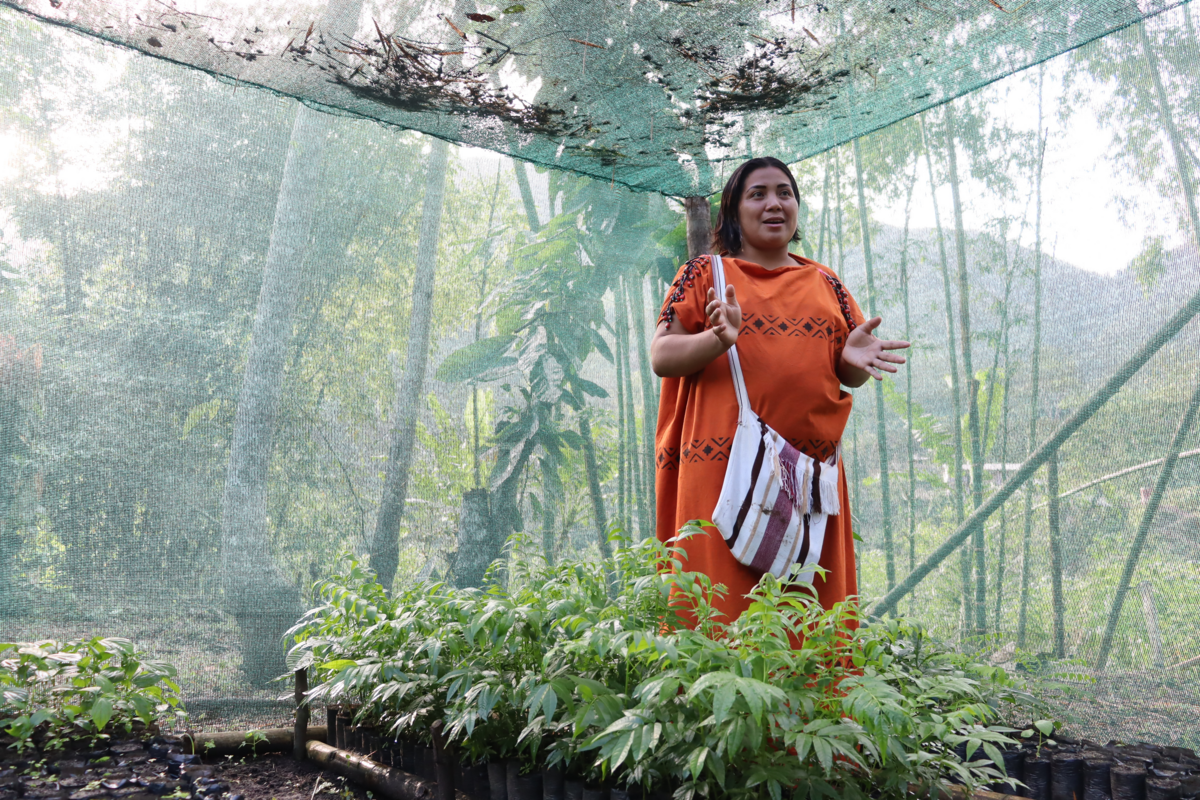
788	482
830	503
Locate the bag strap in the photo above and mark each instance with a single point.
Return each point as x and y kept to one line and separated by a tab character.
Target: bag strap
735	364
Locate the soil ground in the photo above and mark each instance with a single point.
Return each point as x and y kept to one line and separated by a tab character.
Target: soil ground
132	770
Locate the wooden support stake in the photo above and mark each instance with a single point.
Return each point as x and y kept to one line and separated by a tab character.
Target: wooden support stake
300	735
443	759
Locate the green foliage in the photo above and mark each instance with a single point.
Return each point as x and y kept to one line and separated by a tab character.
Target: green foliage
88	689
596	667
1150	264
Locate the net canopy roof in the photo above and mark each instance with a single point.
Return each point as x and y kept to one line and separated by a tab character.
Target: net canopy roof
650	94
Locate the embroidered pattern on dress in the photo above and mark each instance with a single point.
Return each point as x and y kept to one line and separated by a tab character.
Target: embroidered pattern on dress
686	280
716	449
819	449
843	298
807	327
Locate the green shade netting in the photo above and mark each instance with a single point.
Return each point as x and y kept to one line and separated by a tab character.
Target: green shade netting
645	93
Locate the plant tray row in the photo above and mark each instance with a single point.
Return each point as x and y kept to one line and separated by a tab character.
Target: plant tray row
1055	769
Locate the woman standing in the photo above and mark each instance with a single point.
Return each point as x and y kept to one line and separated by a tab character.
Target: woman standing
800	337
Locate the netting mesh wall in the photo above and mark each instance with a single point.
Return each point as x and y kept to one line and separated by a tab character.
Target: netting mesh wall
239	337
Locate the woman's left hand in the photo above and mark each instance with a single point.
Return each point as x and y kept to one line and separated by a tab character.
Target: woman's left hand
865	355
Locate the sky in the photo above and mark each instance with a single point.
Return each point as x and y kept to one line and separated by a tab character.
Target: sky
1080	218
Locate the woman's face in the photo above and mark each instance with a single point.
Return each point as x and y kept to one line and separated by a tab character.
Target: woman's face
767	212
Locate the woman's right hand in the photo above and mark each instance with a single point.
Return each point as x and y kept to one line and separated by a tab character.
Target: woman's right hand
724	316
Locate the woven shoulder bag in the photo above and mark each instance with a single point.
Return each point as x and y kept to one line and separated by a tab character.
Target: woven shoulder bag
775	500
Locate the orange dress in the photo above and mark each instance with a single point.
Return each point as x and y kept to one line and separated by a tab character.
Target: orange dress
792	335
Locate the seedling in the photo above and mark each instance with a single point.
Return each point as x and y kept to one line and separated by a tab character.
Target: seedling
255	737
590	665
80	690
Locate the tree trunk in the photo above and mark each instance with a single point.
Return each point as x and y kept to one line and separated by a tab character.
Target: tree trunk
952	357
1022	613
475	545
889	552
964	315
257	595
599	517
385	547
1139	540
18	373
699	225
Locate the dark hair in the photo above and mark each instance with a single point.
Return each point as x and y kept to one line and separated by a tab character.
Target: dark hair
727	236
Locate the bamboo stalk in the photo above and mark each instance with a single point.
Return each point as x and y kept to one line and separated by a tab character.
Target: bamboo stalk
635	485
1001	561
1010	272
889	553
1022	614
824	219
619	358
1139	540
1146	589
635	336
964	317
1155	342
641	343
1182	170
912	469
852	481
952	357
547	513
1056	558
1191	662
531	214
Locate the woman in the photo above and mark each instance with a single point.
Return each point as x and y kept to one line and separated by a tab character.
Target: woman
800	338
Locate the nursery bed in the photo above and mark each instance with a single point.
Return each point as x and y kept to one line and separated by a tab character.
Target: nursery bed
164	766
